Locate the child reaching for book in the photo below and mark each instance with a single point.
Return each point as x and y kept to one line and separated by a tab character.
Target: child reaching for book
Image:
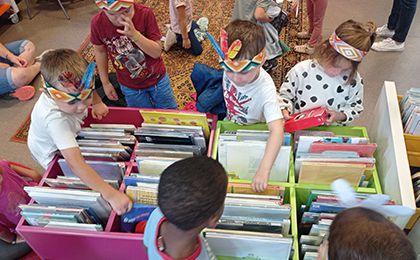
128	33
13	177
57	117
331	79
191	197
360	233
249	91
183	26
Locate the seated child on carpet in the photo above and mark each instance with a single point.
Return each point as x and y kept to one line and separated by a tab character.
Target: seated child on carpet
11	196
128	33
191	197
360	233
262	12
249	91
330	79
17	69
182	25
57	117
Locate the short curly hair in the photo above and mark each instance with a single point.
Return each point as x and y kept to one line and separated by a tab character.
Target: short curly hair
191	191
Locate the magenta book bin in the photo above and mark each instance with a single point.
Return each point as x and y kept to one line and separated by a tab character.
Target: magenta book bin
62	244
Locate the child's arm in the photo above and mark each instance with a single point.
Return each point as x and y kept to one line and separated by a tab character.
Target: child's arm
261	15
182	20
26	172
287	93
150	47
275	139
119	201
101	57
99	109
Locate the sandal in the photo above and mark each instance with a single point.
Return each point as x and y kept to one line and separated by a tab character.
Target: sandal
24	93
305	49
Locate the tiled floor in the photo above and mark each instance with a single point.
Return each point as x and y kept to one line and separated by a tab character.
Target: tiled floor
50	29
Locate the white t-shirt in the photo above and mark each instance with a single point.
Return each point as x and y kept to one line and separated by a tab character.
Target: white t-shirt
256	102
307	86
151	234
51	130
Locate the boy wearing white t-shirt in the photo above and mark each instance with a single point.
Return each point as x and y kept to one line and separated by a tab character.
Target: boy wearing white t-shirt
57	117
249	91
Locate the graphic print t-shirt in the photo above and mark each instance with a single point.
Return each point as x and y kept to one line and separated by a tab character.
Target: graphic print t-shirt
134	68
256	102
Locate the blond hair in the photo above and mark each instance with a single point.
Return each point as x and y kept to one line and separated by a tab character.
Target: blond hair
360	36
56	62
251	36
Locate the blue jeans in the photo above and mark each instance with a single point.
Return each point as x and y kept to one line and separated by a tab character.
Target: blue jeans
157	96
6	82
400	19
195	48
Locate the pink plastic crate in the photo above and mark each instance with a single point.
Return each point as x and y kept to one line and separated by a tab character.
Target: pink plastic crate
53	243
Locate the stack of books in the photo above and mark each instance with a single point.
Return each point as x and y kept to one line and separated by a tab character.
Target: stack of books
112	171
107	142
252	226
322	157
416	185
241	151
66	208
410	111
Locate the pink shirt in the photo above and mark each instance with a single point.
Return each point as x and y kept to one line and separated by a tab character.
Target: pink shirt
173	13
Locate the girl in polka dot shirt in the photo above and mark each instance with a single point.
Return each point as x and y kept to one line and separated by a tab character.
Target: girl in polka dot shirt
330	79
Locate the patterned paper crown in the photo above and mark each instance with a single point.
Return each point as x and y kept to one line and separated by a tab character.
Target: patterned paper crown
85	86
114	5
228	53
346	49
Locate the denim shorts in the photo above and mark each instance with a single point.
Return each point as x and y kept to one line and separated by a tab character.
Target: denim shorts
157	96
6	82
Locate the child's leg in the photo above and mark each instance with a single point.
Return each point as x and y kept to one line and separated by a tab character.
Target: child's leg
195	48
27	52
13	251
320	6
394	16
162	95
23	76
136	97
310	12
408	10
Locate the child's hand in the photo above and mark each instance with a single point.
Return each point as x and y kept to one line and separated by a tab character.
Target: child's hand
110	91
186	43
120	202
99	110
18	61
286	114
334	116
260	181
129	29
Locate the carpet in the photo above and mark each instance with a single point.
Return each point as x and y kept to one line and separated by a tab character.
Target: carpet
179	63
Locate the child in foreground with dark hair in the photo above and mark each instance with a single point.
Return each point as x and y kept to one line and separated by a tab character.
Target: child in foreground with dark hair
191	196
360	233
249	91
331	79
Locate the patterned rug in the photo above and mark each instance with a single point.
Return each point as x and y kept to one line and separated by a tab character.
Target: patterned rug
179	63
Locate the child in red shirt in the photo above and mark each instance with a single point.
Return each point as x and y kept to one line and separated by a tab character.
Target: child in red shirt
128	33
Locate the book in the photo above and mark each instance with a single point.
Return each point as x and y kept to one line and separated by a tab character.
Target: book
306	119
246	188
326	173
107	170
74	183
139	212
364	150
176	117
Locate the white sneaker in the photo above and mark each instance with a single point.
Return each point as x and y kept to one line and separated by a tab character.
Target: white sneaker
388	45
383	31
170	40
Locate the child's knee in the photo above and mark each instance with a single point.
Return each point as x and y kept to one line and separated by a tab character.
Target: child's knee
196	50
30	48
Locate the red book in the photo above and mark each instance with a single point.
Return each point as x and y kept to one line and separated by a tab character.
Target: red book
306	119
364	150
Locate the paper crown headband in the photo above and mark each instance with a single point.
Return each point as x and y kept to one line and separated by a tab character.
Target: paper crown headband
228	53
346	49
85	86
114	5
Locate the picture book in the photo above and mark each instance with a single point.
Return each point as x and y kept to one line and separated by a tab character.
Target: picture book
306	119
326	173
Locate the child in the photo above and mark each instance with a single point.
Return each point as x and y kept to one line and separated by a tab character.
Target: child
262	12
316	13
249	91
17	69
57	117
182	24
128	33
191	196
11	196
360	233
330	79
